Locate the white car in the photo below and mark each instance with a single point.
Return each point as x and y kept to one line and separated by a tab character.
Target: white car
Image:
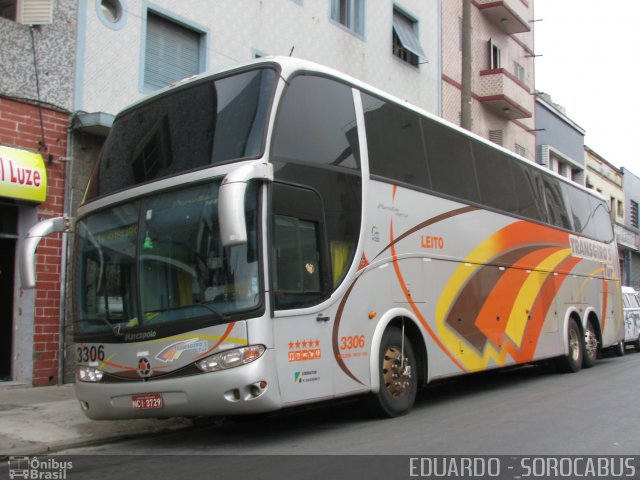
631	317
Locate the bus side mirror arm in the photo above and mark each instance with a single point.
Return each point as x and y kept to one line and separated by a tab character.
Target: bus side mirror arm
233	229
34	235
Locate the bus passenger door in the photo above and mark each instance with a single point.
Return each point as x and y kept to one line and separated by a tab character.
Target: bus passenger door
300	282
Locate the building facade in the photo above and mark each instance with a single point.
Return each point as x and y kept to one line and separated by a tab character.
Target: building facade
36	98
129	48
631	255
559	140
502	71
95	57
608	181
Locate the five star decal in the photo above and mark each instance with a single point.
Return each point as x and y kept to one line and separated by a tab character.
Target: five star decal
304	349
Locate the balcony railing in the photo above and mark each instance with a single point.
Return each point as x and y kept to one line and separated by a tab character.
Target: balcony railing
501	92
511	16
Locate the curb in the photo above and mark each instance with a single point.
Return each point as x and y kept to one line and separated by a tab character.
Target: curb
47	449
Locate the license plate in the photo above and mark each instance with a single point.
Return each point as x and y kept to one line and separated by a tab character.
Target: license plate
146	402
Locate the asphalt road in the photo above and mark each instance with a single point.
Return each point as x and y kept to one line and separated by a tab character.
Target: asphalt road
523	411
514	412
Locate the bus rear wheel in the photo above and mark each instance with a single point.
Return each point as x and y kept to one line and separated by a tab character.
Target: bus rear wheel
572	362
398	374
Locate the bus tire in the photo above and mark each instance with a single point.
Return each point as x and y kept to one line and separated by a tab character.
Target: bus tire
572	362
398	378
590	346
636	344
619	349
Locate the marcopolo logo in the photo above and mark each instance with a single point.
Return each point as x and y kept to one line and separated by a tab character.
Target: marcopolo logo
130	337
144	368
37	469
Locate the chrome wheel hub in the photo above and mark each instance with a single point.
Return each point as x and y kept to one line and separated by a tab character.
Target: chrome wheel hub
574	345
591	343
396	372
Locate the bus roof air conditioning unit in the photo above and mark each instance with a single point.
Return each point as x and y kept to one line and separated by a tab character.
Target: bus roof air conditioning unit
34	12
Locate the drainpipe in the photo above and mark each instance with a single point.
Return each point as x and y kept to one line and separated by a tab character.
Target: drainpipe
466	118
68	171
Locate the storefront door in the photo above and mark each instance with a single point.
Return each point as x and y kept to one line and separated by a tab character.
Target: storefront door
8	216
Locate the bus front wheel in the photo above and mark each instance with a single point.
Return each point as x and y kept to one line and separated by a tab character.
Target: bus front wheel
398	374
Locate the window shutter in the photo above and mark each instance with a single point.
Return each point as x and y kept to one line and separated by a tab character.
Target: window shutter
406	32
35	12
172	52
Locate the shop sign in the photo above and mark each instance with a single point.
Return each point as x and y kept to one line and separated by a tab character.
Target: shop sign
23	175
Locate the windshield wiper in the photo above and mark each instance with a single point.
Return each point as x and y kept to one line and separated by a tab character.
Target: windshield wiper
212	310
191	305
114	328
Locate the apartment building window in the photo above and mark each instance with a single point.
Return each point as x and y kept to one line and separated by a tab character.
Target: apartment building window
405	40
111	9
633	214
8	9
520	150
349	13
173	51
612	207
518	71
28	12
111	13
494	56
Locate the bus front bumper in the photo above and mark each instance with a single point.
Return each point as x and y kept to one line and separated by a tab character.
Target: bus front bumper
251	388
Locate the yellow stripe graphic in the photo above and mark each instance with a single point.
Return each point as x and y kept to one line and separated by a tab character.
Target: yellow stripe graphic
528	294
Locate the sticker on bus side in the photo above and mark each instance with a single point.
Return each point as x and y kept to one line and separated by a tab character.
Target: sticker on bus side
304	350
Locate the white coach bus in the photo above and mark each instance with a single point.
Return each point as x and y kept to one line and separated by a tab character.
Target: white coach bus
279	234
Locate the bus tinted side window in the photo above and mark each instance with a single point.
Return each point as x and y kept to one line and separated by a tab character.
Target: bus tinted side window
529	191
315	144
603	229
580	209
297	271
299	255
317	124
555	200
590	215
450	162
495	179
395	142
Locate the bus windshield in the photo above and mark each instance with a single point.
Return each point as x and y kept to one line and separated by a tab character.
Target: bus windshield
208	123
159	261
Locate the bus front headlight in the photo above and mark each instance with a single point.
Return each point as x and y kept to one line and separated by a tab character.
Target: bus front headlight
231	358
89	374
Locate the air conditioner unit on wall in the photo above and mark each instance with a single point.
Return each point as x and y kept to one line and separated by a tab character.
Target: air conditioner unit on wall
34	12
543	155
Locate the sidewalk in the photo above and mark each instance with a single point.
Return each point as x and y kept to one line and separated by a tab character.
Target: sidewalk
36	421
